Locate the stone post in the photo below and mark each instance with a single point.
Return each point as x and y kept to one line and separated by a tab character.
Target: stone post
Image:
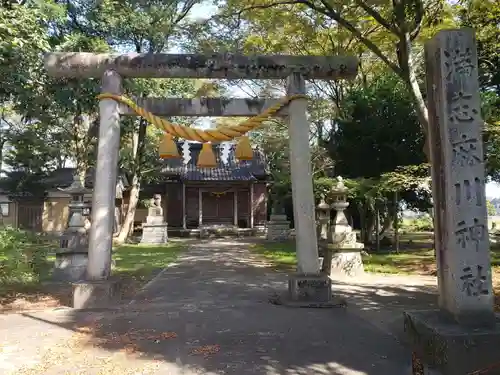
463	336
308	287
103	198
302	184
96	289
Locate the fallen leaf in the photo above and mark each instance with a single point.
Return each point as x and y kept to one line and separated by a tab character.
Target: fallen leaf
206	350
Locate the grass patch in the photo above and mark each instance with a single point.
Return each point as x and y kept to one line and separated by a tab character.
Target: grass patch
144	261
27	260
414	262
416	257
135	265
280	254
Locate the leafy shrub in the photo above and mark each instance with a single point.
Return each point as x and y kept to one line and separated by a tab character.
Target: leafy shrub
420	224
23	256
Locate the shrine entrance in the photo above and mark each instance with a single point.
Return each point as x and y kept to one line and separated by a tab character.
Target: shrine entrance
293	107
218	208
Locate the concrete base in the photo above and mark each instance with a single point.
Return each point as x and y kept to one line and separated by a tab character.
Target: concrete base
442	347
304	290
94	294
347	262
70	266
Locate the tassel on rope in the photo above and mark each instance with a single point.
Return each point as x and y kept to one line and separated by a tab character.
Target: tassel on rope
206	159
243	149
167	148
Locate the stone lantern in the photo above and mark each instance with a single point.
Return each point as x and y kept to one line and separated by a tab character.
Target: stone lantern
323	218
72	256
346	257
340	224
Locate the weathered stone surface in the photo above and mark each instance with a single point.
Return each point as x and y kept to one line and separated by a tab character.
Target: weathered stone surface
229	66
154	233
458	178
204	107
72	256
347	262
278	228
309	288
103	196
94	294
70	266
302	180
447	348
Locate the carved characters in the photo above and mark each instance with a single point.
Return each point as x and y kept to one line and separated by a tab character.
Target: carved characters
461	109
474	281
466	234
471	192
459	63
465	149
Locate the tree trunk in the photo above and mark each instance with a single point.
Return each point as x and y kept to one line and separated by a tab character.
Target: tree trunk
368	224
137	151
396	223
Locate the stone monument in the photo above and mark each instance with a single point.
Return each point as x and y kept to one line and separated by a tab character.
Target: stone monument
463	336
72	256
278	226
154	230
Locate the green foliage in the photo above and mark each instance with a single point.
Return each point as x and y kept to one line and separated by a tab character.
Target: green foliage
419	224
23	257
378	131
484	17
23	36
492	211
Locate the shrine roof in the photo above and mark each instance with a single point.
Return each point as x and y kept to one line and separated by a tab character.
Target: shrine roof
63	177
232	170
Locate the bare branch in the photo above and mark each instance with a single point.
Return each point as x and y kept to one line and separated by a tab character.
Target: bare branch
328	11
377	17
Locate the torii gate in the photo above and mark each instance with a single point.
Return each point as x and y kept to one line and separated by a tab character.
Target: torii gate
111	68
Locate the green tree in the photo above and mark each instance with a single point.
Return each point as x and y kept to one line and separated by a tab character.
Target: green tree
145	27
484	17
378	131
402	23
492	211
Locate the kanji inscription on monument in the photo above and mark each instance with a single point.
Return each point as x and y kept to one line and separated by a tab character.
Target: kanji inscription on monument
458	172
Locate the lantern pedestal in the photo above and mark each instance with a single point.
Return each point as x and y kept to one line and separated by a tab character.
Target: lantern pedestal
341	262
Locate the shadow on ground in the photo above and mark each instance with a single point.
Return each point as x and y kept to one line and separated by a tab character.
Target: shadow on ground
210	313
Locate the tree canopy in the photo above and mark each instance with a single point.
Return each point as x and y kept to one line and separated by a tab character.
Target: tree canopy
370	130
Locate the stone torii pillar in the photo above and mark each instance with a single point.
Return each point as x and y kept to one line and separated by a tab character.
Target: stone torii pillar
110	67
